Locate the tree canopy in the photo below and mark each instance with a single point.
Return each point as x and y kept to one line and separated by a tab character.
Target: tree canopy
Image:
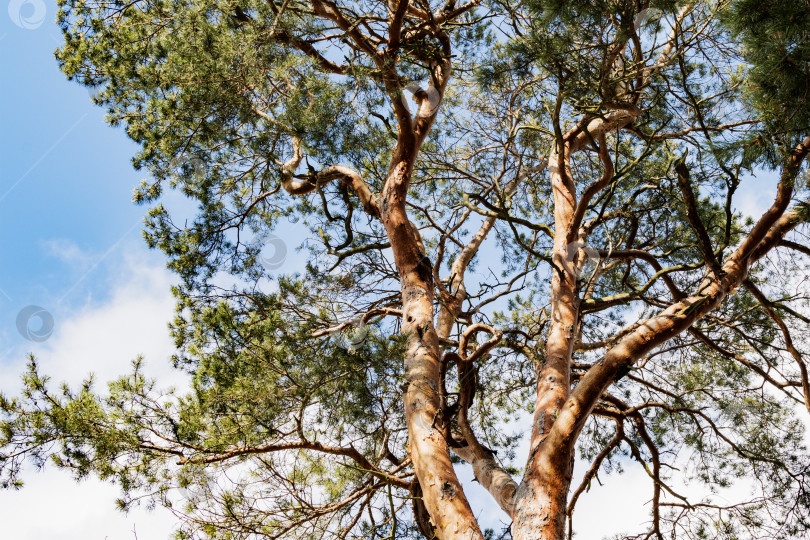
525	222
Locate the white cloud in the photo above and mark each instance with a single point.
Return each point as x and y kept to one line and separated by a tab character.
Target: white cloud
102	337
52	505
620	504
68	252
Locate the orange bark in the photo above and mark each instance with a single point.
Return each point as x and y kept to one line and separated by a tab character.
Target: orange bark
442	493
541	500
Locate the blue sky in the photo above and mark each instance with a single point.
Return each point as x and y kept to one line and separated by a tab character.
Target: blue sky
65	182
71	243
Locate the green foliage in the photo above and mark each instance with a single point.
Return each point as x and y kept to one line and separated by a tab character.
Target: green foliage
775	37
292	376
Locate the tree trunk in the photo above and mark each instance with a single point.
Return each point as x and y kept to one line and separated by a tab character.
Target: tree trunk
441	490
540	508
541	500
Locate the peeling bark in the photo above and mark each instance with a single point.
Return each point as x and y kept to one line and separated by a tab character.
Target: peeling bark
441	490
541	499
540	503
293	186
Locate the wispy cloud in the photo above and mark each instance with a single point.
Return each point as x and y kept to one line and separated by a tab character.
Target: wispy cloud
68	252
101	338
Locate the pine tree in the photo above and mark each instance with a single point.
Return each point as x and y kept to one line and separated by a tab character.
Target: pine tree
515	209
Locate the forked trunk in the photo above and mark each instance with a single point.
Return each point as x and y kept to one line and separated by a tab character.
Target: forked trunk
442	494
